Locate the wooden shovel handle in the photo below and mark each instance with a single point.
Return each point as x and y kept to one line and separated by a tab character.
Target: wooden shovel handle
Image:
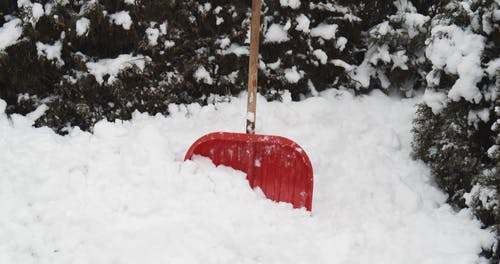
253	67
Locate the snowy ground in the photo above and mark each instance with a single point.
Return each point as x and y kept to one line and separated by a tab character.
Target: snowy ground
124	195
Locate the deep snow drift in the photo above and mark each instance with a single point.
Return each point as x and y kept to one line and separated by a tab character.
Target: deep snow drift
124	195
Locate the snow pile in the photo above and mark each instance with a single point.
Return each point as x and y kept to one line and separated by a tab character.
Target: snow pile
124	195
110	68
10	32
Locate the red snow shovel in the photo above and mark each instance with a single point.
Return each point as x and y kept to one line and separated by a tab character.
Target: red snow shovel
277	165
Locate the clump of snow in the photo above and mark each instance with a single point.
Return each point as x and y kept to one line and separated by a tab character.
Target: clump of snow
340	44
274	65
24	3
292	75
82	26
130	2
399	60
294	4
382	28
234	49
437	101
169	43
493	68
219	20
152	34
486	195
277	33
362	73
34	10
223	42
10	33
475	116
458	51
303	23
414	22
379	53
340	63
51	52
321	56
205	8
121	18
164	27
325	31
112	67
123	194
37	12
202	75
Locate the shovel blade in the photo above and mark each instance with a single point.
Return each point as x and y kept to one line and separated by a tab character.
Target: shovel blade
277	165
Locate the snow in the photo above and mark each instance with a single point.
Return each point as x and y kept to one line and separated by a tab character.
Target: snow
321	56
484	194
293	4
493	68
169	43
437	101
82	26
152	34
113	67
219	20
475	116
202	75
277	33
234	48
51	52
413	22
340	63
362	73
292	75
303	23
164	27
10	33
37	12
382	28
121	18
130	2
325	31
341	42
124	194
458	51
399	60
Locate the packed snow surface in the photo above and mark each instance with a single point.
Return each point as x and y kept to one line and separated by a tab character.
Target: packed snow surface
124	194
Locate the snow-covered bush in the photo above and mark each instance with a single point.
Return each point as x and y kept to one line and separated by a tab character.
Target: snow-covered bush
395	59
307	45
89	60
457	127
